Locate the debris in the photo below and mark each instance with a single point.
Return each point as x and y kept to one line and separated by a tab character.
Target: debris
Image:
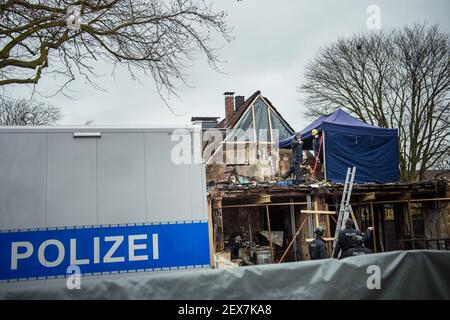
223	260
277	237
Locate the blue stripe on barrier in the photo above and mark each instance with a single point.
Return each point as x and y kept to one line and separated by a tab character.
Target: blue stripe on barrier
48	253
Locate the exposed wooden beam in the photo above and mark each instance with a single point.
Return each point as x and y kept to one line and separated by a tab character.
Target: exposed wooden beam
368	196
270	233
263	204
260	200
292	219
326	239
318	211
399	201
316	216
411	224
405	196
374	233
211	234
292	241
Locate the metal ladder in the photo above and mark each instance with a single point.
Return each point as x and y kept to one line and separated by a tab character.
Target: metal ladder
345	209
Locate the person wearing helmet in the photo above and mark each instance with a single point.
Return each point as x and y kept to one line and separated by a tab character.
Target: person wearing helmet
318	247
358	248
316	145
345	238
297	158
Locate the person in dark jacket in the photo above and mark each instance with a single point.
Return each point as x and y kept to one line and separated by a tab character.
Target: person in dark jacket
297	158
346	236
358	248
316	145
318	247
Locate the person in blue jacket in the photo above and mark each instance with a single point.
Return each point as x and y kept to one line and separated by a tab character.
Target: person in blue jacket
318	247
297	158
358	248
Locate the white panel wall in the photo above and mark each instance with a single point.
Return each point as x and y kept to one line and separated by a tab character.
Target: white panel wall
198	195
22	181
71	180
168	189
48	178
121	178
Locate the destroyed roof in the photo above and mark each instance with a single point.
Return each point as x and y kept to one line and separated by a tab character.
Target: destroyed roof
238	113
418	188
241	110
257	120
204	118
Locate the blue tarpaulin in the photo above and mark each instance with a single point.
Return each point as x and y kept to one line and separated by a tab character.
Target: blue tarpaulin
352	142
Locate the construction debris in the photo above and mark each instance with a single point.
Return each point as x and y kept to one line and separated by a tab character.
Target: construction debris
276	237
405	215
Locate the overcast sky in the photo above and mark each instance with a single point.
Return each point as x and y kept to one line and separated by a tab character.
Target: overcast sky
273	42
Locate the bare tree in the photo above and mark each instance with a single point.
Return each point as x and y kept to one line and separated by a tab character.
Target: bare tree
22	112
443	164
155	37
398	80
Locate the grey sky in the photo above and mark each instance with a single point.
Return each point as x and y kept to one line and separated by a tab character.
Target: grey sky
273	42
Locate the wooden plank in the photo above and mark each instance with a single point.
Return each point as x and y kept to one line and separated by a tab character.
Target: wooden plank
210	234
329	247
316	215
334	219
263	204
270	233
374	232
411	224
292	214
260	200
403	201
249	228
292	241
310	219
353	217
220	233
318	211
380	214
404	196
369	196
326	239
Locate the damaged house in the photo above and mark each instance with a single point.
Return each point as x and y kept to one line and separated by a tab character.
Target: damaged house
257	218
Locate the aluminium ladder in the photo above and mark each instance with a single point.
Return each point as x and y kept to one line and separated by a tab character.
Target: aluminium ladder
345	209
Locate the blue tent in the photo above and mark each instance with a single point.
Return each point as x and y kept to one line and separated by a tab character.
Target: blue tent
351	142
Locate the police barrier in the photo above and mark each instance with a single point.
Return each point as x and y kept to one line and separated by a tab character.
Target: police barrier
41	254
391	275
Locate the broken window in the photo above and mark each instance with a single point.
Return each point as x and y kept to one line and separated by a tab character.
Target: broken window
284	131
244	131
260	123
